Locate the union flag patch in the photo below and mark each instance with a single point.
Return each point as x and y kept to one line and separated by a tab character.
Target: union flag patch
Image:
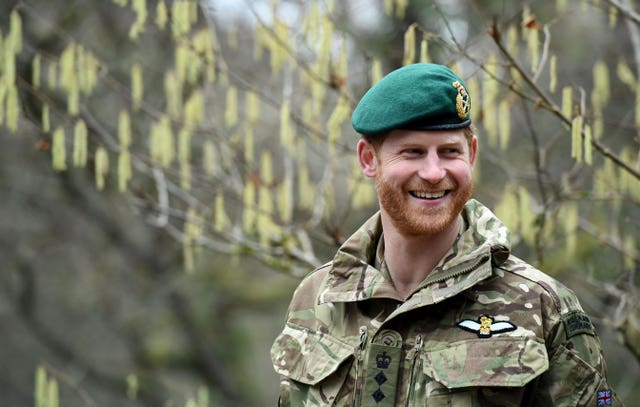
604	398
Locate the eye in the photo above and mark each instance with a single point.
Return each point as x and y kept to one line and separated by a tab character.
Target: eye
450	151
412	152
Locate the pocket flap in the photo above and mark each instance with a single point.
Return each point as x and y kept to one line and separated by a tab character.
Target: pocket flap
501	362
307	357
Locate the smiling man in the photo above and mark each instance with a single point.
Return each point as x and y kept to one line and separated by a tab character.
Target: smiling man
425	305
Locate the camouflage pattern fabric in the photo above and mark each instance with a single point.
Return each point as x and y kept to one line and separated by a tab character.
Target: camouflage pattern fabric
484	329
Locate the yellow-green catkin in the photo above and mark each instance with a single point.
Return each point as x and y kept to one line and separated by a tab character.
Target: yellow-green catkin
209	159
588	148
46	118
3	94
194	109
512	40
279	46
40	388
533	47
340	114
376	71
424	49
173	94
410	45
183	58
489	100
576	138
52	75
249	213
185	176
285	199
137	87
162	15
248	142
221	219
58	150
67	78
561	5
167	143
570	217
80	144
504	124
601	86
265	224
567	102
637	105
140	8
13	108
133	386
190	234
124	129
613	16
184	145
507	209
125	172
181	20
388	7
306	191
53	398
231	107
36	71
87	67
286	133
101	167
553	73
526	216
15	32
401	8
625	74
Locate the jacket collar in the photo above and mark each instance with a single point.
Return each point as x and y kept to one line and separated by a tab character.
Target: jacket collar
353	275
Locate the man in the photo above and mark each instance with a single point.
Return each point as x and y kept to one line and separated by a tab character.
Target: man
425	305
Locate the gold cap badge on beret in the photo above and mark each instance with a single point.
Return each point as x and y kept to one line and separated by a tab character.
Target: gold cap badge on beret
462	101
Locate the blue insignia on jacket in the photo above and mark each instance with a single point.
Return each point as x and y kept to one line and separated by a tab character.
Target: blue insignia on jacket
485	326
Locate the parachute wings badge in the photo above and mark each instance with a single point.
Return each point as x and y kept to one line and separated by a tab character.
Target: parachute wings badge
485	326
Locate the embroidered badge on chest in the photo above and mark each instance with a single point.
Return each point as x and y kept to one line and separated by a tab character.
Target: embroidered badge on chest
485	326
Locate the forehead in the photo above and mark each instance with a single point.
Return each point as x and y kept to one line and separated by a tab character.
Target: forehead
425	137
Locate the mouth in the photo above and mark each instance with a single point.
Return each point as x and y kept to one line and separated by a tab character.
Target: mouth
429	195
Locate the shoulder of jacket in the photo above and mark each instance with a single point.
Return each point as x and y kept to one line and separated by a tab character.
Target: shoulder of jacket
564	299
310	287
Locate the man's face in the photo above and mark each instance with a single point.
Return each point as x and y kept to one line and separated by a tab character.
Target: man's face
423	177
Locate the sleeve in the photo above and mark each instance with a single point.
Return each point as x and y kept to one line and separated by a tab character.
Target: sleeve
577	369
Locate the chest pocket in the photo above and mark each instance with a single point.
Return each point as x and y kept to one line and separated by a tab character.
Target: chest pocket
312	364
453	375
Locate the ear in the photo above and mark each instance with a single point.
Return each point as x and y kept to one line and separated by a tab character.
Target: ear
473	152
367	158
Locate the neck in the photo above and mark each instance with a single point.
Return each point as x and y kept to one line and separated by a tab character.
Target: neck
411	258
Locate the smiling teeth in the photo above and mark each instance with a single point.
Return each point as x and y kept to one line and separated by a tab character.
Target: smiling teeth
428	195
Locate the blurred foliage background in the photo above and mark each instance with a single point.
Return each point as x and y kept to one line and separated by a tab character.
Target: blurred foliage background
169	170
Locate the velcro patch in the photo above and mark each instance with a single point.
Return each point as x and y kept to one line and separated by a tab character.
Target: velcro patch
576	323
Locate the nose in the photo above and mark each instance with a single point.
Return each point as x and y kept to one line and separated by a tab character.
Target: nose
431	169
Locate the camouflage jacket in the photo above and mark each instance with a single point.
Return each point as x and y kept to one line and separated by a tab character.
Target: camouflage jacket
484	329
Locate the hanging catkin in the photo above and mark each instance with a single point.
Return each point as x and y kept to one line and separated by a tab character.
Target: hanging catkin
80	145
101	167
58	150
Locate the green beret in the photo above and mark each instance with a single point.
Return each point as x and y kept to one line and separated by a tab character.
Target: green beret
415	97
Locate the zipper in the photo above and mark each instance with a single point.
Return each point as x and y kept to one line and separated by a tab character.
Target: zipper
359	358
417	349
463	270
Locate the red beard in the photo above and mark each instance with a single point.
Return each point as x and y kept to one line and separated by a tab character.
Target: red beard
411	219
